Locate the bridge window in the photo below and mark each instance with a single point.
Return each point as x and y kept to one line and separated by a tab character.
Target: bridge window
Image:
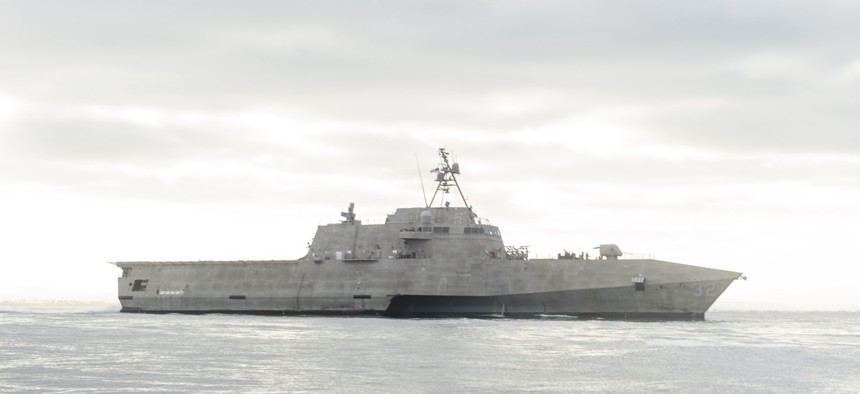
489	230
440	230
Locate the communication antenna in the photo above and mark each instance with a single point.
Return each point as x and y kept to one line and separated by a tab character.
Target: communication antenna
421	178
446	177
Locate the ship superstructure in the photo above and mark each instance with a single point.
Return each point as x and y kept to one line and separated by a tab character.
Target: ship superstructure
426	261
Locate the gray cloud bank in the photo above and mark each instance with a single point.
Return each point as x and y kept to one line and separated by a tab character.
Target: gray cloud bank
135	92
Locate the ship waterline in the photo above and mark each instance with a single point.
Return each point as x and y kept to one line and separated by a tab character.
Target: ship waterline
426	261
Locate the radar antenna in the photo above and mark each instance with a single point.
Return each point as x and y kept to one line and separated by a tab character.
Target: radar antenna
445	176
349	215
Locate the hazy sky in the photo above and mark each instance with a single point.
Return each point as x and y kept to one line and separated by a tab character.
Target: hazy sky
719	133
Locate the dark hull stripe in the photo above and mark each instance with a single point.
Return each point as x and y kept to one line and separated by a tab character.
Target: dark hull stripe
458	306
449	314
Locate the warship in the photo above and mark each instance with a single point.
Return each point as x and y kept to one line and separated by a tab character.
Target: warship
428	261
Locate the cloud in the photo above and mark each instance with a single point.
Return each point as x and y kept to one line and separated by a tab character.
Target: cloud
258	156
558	92
480	65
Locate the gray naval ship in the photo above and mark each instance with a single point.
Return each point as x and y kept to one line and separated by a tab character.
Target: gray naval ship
427	261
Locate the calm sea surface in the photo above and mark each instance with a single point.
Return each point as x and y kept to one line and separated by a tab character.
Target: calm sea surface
107	351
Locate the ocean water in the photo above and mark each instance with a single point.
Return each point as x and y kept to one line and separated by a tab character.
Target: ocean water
101	350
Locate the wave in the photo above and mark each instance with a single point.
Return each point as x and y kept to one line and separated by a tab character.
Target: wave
564	317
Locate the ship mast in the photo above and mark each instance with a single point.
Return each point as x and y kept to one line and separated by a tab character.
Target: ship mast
445	177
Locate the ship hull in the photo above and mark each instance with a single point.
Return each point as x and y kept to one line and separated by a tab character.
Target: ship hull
536	288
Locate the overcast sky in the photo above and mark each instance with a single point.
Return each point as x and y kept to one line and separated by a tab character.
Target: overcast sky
719	133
